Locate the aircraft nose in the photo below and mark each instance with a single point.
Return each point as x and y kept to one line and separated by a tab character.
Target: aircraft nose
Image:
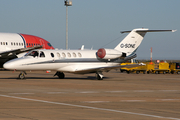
9	66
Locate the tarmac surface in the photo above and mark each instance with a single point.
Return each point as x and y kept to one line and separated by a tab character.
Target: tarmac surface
119	96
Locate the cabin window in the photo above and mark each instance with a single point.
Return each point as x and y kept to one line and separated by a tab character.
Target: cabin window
14	43
22	44
58	55
11	43
52	55
79	54
68	54
74	55
42	54
64	55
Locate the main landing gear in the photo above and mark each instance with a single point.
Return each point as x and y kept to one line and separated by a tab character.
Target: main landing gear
22	75
99	75
60	75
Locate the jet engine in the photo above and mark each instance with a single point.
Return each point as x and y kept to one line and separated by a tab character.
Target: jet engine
109	53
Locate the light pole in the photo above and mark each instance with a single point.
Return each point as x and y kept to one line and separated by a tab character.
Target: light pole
67	3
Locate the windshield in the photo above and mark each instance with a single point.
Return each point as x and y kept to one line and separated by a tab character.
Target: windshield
33	53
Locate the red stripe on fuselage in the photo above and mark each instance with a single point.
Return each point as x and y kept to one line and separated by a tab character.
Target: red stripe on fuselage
31	40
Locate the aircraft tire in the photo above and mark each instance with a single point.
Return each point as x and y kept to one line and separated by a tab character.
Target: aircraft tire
21	76
99	78
61	75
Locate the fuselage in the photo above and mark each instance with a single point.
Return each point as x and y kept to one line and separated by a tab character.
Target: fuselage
74	61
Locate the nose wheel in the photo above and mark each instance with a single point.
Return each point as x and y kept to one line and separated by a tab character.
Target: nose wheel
22	75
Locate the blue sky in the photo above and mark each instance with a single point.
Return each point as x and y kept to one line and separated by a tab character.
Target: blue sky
95	23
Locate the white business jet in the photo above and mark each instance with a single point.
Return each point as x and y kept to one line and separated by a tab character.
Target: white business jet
82	61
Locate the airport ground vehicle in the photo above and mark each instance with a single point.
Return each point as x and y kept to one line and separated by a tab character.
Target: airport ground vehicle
162	67
151	67
144	69
175	67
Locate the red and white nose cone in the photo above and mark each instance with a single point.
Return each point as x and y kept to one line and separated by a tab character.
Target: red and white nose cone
101	53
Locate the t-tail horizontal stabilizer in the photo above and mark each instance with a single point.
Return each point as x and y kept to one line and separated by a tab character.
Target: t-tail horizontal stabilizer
141	30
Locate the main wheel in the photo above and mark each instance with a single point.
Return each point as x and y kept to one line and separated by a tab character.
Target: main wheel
99	78
61	75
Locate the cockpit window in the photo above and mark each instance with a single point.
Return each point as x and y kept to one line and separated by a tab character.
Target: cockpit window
33	53
42	54
49	45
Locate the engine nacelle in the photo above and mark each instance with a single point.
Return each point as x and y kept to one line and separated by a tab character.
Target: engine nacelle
108	53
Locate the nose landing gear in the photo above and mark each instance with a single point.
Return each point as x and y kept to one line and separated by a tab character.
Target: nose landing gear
22	75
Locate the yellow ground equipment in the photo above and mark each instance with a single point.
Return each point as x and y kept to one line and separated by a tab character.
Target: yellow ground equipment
162	67
174	67
148	67
151	67
128	70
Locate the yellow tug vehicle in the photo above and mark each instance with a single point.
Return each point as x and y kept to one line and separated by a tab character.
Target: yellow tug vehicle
175	67
162	67
141	69
151	67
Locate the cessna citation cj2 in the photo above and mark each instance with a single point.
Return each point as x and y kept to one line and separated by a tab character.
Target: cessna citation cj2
81	61
13	45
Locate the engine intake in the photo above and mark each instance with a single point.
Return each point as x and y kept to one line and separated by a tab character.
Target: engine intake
109	53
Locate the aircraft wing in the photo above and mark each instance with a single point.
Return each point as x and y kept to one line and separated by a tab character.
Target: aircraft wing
106	69
10	53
